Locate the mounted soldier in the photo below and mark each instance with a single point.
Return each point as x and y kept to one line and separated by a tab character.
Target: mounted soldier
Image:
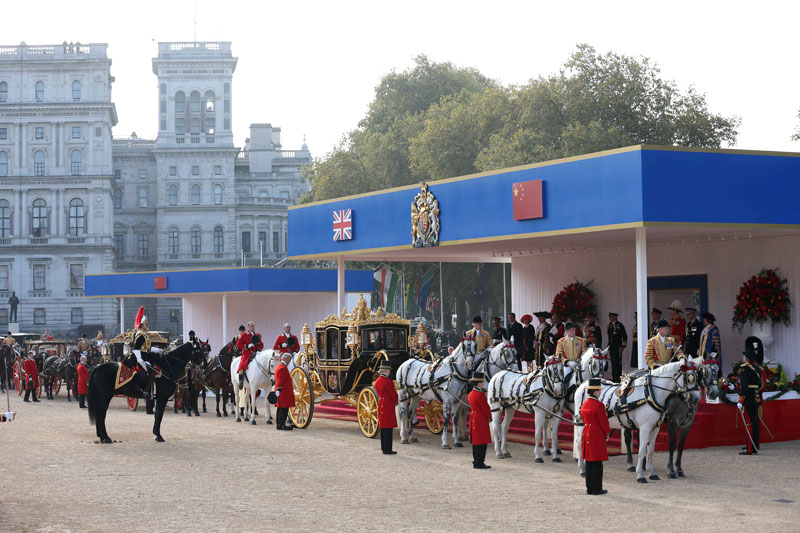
661	348
83	344
142	343
286	342
694	328
482	338
249	343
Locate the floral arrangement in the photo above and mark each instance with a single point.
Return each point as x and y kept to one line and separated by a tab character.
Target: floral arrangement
777	381
575	301
763	297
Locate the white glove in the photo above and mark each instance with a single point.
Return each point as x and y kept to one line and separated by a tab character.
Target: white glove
739	405
156	349
250	345
283	345
277	394
731	387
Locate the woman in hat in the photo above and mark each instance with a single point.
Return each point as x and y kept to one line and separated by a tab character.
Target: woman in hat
751	385
479	433
387	402
528	341
593	439
709	339
83	382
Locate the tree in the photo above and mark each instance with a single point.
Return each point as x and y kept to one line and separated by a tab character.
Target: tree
796	135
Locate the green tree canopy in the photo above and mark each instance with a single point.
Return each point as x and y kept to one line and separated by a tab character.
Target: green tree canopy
437	121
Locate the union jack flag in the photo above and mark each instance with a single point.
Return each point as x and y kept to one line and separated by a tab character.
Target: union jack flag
343	225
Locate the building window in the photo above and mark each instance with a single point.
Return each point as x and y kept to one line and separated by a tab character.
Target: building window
143	241
172	195
98	131
117	198
76	277
173	171
263	193
285	194
3	134
3	163
210	101
76	315
180	126
77	221
39	277
276	241
39	87
195	242
194	102
174	316
39	225
39	317
142	192
3	91
38	163
217	194
194	125
117	174
195	195
5	218
180	102
5	273
38	132
219	240
76	93
4	316
119	244
77	162
218	170
76	132
142	173
262	241
173	243
195	170
246	242
210	126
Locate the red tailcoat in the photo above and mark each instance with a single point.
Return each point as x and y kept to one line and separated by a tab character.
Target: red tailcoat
678	329
283	383
247	353
83	379
387	400
479	419
282	338
29	367
595	430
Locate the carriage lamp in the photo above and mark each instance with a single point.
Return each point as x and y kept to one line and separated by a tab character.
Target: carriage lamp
305	337
351	336
421	336
126	349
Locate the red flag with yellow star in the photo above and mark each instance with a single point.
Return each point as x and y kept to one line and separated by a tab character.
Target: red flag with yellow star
527	198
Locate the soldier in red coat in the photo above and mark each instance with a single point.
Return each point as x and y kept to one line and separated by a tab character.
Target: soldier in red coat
387	401
479	418
83	382
284	390
593	442
31	378
249	343
286	342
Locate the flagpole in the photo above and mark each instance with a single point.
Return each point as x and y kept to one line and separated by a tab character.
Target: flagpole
441	299
403	299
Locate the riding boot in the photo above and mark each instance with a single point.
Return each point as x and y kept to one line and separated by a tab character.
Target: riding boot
27	395
151	377
241	380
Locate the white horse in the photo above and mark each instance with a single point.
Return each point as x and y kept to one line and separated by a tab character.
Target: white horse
502	356
260	375
541	393
643	408
445	381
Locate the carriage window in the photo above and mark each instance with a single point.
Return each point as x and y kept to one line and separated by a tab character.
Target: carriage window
333	344
395	339
371	340
346	352
321	345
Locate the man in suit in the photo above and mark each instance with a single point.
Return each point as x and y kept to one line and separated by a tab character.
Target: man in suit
570	347
751	385
515	333
655	314
482	338
617	340
661	348
694	328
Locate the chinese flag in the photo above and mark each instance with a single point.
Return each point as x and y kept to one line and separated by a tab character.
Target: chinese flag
527	198
159	282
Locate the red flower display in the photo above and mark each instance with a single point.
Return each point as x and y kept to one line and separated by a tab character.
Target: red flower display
574	301
763	297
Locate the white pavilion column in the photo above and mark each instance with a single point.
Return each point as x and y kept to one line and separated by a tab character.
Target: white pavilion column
339	284
641	291
121	315
224	317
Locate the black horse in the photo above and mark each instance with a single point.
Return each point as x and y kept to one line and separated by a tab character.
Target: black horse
65	368
101	387
217	377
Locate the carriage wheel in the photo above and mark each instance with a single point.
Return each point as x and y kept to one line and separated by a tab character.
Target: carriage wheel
56	385
303	409
367	409
18	378
133	403
434	417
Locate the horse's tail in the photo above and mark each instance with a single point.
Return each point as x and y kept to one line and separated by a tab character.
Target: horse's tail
92	397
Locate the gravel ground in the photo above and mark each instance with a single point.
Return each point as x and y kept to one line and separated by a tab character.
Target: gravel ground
215	475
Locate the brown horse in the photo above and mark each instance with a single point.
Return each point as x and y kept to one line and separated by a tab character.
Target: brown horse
64	368
217	377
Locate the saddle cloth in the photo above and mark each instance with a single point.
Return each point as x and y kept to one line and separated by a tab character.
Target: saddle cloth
125	374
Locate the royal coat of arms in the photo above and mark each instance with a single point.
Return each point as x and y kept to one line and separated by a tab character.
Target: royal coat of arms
424	219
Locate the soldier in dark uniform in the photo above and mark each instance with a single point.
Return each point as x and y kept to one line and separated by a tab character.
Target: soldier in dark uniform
515	333
694	327
499	333
751	384
594	333
655	314
544	342
635	341
617	341
528	340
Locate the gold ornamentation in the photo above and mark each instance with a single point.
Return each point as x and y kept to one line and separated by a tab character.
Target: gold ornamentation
424	219
128	337
362	316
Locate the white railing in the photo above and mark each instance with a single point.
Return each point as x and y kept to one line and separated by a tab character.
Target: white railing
52	51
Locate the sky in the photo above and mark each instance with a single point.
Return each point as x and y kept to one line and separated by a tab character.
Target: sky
311	67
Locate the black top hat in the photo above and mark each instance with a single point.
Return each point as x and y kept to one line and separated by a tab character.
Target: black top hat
543	314
709	316
691	310
477	376
569	325
477	319
385	364
754	350
241	328
662	324
656	310
613	313
594	384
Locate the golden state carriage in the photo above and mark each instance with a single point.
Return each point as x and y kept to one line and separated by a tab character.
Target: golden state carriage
340	360
43	349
